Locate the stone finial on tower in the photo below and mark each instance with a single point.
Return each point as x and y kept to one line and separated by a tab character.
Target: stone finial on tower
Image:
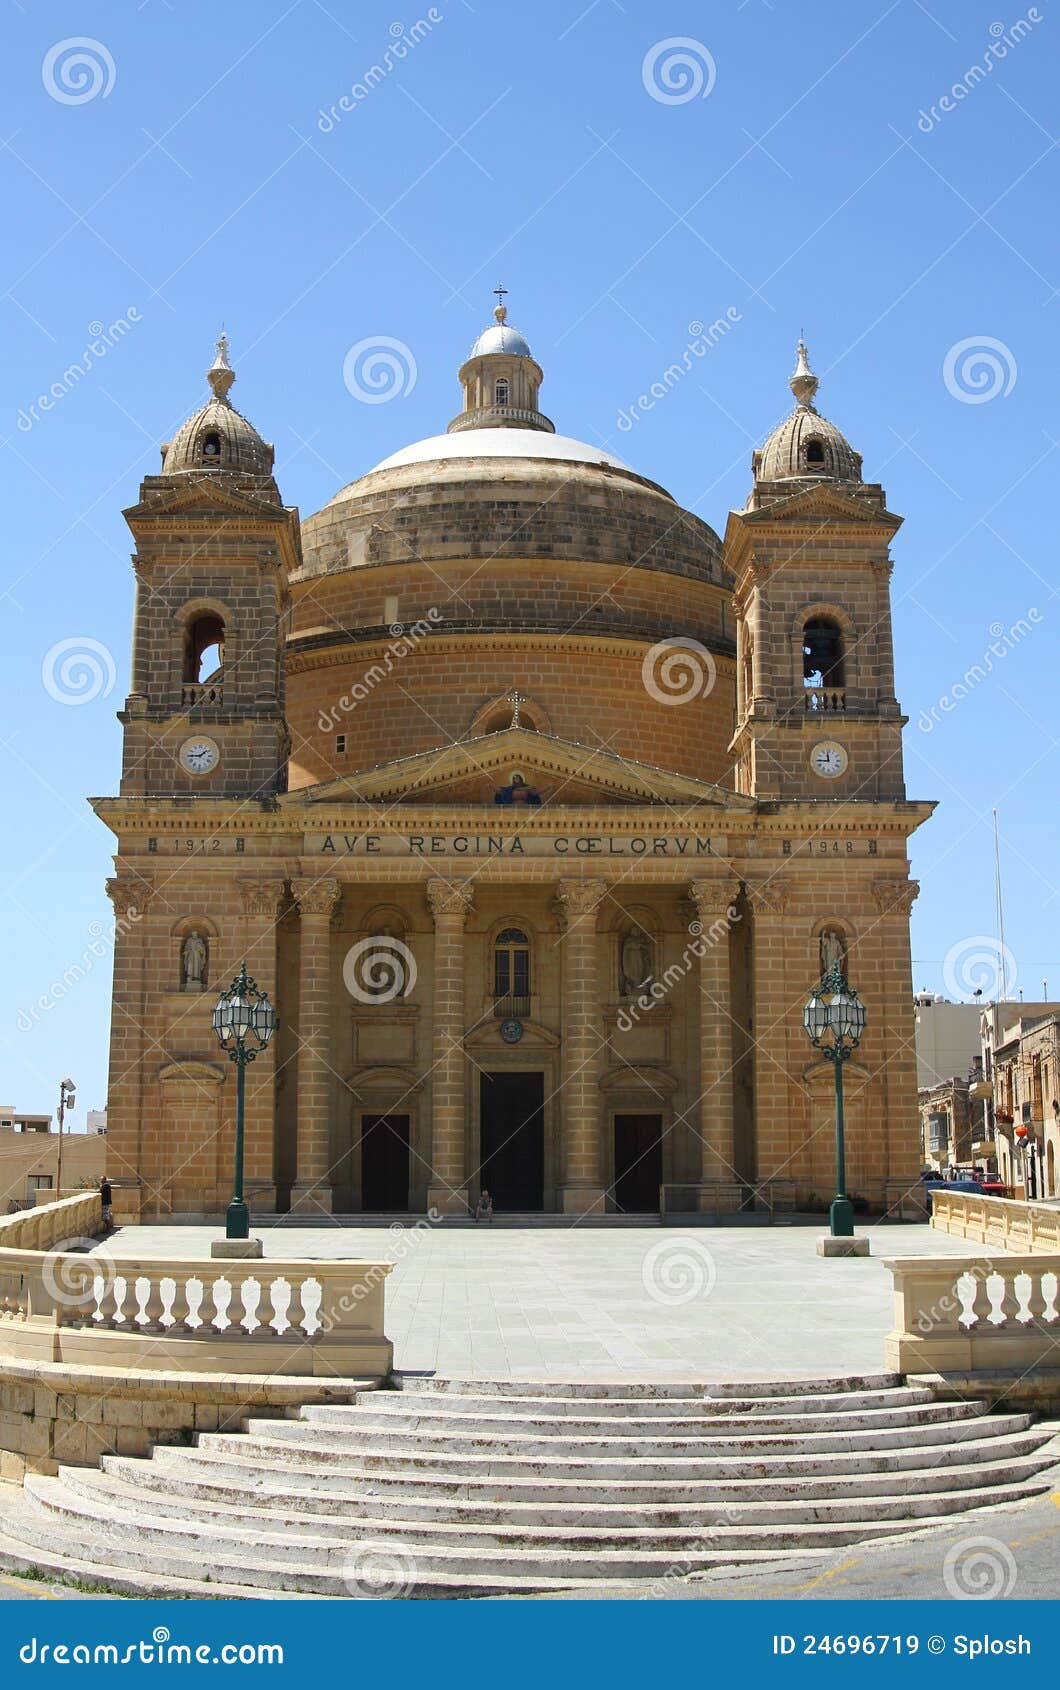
804	383
221	375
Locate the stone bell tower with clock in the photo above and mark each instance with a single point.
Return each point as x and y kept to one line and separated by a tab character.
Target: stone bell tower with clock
816	711
215	547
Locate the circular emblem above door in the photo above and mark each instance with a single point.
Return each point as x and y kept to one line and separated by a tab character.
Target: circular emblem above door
511	1032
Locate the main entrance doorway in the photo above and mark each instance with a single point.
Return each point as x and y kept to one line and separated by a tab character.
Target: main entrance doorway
385	1163
512	1140
638	1163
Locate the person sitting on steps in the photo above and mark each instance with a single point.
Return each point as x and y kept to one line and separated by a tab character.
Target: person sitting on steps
484	1207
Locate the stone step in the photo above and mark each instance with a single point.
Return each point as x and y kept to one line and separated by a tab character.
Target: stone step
693	1407
124	1486
172	1470
222	1543
761	1455
560	1431
635	1388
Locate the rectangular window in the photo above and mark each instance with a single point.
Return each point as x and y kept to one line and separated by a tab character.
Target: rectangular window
38	1182
340	743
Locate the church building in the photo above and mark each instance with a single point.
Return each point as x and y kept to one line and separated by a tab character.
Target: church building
537	809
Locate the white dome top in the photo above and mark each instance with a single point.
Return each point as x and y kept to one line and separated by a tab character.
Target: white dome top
500	337
501	443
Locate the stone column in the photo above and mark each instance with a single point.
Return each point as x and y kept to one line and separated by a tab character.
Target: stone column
713	900
779	1116
582	1189
450	907
133	1155
316	900
261	908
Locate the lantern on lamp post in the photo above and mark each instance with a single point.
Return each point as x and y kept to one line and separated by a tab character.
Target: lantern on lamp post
244	1021
834	1019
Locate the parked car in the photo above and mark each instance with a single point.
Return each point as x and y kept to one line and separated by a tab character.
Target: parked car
974	1185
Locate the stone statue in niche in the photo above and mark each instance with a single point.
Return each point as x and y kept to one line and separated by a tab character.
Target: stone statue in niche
193	960
833	951
636	962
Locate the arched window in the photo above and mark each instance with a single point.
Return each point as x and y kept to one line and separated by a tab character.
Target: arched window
822	653
511	973
815	456
500	392
204	649
211	448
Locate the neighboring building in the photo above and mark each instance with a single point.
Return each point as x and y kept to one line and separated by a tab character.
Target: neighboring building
14	1120
1021	1058
96	1121
537	808
29	1163
947	1038
950	1125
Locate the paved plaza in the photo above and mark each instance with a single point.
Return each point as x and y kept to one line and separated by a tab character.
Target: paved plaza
523	1302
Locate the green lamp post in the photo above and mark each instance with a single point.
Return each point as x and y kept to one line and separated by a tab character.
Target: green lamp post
834	1019
244	1021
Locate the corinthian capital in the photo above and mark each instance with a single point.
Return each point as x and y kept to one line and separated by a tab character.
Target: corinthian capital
769	897
713	897
317	896
262	898
576	900
893	895
449	898
129	895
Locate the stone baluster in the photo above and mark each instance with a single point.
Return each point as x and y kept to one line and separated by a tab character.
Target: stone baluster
316	901
581	1191
450	907
714	901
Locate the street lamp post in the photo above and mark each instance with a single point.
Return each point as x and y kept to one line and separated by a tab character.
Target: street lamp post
67	1099
834	1019
244	1021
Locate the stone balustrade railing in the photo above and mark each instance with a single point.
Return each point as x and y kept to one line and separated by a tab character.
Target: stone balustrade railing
958	1315
235	1317
998	1222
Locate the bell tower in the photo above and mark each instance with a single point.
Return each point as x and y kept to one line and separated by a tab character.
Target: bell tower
816	713
215	547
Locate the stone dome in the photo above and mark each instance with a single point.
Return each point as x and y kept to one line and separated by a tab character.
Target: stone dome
218	437
806	445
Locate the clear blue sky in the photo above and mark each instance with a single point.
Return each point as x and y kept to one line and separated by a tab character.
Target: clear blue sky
521	144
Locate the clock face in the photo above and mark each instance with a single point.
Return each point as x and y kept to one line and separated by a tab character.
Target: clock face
828	759
511	1032
199	756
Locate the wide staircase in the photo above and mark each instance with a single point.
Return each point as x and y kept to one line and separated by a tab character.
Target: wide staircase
473	1488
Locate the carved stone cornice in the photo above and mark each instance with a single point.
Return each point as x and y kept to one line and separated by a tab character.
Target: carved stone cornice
129	895
262	898
893	895
769	897
713	897
578	899
317	896
449	898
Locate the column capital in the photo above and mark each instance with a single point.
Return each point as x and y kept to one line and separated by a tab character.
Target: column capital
769	897
892	895
576	899
129	894
714	897
262	898
316	896
447	897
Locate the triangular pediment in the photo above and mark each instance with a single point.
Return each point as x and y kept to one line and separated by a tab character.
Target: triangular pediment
827	501
203	495
558	772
